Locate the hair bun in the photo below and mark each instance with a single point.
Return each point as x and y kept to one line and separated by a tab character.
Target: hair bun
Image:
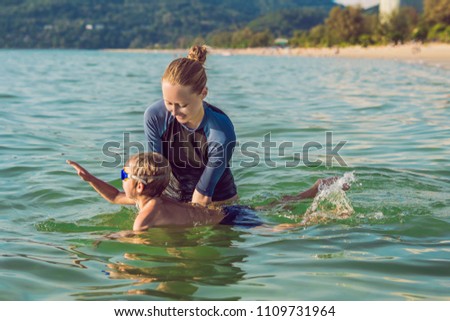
198	53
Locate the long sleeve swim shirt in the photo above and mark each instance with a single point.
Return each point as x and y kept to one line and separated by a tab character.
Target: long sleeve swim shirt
200	158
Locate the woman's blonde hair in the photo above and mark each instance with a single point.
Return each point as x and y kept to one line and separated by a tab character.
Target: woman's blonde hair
188	71
152	168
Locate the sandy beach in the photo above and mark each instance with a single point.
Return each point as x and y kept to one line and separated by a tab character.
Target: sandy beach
435	54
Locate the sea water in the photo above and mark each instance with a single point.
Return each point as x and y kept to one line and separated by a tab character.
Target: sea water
387	238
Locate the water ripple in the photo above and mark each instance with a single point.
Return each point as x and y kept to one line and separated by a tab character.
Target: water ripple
393	116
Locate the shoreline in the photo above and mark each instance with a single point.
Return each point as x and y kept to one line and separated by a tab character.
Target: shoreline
435	54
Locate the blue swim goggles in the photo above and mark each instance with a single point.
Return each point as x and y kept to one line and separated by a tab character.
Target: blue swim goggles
124	175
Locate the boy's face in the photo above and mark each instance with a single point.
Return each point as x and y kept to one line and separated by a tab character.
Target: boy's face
131	187
128	185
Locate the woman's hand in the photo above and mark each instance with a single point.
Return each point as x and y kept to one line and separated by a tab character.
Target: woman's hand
198	198
81	171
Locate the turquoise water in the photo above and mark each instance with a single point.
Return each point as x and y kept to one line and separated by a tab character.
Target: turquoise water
394	117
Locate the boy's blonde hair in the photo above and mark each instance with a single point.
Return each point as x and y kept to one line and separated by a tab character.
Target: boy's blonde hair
154	169
188	71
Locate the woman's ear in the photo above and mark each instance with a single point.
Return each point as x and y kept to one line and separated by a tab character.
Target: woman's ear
204	92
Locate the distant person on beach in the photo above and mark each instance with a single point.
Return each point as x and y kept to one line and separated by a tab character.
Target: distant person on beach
145	177
196	137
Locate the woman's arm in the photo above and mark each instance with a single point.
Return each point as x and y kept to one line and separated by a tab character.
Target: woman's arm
107	191
203	200
219	156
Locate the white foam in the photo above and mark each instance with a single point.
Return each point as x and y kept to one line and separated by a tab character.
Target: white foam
331	202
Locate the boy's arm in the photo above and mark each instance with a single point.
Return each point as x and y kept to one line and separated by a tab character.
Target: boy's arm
312	192
107	191
309	193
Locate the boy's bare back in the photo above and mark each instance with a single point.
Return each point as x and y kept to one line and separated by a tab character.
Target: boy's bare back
163	211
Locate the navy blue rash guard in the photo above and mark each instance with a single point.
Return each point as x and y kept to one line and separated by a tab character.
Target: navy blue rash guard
199	157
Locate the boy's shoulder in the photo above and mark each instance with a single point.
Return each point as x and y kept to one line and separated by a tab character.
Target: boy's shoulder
146	217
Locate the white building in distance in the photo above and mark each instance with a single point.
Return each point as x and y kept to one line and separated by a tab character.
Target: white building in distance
388	7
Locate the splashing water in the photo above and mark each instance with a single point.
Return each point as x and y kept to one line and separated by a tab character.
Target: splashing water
331	202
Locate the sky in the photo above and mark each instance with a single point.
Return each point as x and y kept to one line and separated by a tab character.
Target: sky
363	3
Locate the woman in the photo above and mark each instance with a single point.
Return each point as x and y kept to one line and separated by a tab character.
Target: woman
197	138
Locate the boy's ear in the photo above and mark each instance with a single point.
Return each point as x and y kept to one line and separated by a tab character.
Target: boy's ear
140	187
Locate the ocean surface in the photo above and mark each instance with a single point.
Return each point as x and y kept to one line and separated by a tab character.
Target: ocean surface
388	125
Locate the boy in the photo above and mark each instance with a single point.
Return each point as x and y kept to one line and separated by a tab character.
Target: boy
144	178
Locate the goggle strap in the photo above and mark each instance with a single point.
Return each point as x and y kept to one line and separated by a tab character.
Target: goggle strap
124	175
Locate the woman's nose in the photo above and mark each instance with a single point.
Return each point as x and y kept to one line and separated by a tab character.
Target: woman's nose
175	110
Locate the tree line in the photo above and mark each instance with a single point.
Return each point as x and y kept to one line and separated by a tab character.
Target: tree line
354	26
344	26
93	24
96	24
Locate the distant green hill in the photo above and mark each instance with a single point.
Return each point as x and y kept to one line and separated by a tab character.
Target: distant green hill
284	22
140	23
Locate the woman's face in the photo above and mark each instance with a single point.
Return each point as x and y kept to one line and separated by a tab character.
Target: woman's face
183	104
